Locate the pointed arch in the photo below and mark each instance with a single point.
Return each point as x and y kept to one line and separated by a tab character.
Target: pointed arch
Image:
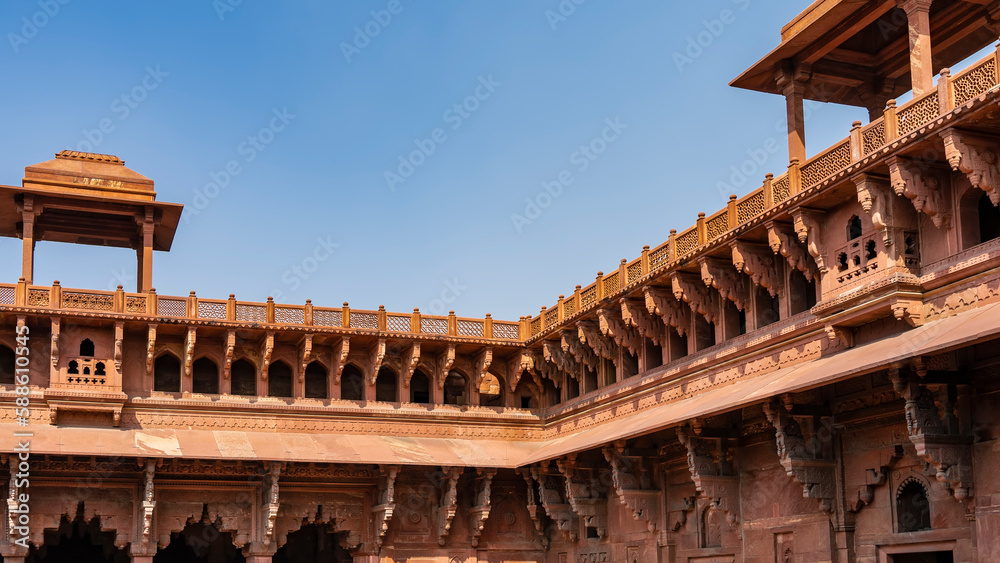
167	373
316	381
352	383
205	376
386	385
7	360
456	389
243	376
279	379
420	388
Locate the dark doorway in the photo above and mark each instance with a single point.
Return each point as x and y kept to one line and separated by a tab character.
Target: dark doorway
315	381
205	377
312	543
78	542
279	380
386	388
989	219
200	543
420	388
244	378
928	557
167	374
352	384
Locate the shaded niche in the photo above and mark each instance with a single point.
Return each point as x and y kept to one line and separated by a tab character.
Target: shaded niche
200	543
386	385
313	542
352	384
420	388
854	228
205	377
167	374
989	219
315	381
78	541
243	377
279	380
87	348
912	508
455	392
7	361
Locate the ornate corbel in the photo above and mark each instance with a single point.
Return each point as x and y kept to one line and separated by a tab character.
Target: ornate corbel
670	310
802	459
874	478
411	358
571	344
632	486
709	461
150	349
482	362
590	334
227	366
532	505
189	341
839	335
148	504
374	359
305	355
553	354
754	261
920	185
624	335
977	158
689	289
810	232
874	197
449	502
445	360
551	493
480	512
267	348
382	512
635	315
269	508
721	275
782	240
54	346
522	361
909	309
586	502
339	358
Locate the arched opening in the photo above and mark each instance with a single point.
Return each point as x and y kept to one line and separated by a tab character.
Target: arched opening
854	228
550	393
7	361
526	394
99	369
989	219
704	333
200	543
801	292
279	380
491	391
167	374
352	384
386	385
768	307
456	389
205	377
912	508
572	388
420	388
73	367
244	378
315	381
589	380
630	364
653	355
78	541
312	542
87	348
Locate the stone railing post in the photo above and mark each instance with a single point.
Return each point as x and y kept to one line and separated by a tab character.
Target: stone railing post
560	308
192	306
269	311
381	318
857	143
891	123
231	307
946	92
55	295
600	286
345	319
488	326
415	321
702	229
794	177
119	299
452	324
152	307
307	312
672	245
768	191
21	293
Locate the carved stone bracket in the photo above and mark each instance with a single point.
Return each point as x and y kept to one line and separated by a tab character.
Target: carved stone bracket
571	344
305	355
150	349
445	360
480	512
449	502
633	488
532	506
374	359
189	341
227	366
876	200
411	358
910	309
945	443
551	492
553	354
672	311
783	240
382	512
269	503
804	460
810	233
721	275
266	349
482	362
756	262
583	495
977	158
611	324
54	347
709	461
691	290
119	337
920	184
874	478
590	334
522	361
635	315
146	508
339	358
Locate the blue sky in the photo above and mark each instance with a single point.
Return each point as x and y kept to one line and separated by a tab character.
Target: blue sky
314	104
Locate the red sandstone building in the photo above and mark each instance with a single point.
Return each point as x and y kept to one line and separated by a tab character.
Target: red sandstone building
810	374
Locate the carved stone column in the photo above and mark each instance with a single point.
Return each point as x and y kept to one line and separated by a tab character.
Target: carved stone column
28	239
919	29
144	270
792	81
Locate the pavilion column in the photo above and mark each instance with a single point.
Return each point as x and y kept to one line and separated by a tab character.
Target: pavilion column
28	239
792	81
919	28
144	271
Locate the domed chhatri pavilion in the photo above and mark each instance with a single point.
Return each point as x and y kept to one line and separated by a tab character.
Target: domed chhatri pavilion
811	374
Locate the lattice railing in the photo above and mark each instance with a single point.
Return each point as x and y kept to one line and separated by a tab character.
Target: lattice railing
588	296
433	326
251	313
505	331
975	81
135	304
88	301
873	136
917	113
171	307
328	317
38	297
717	226
686	242
827	164
212	310
750	206
364	320
536	325
289	315
569	307
611	284
781	189
470	327
397	323
7	294
659	256
551	318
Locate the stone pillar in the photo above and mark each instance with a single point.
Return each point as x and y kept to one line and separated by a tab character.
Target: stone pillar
28	239
142	559
919	29
144	254
258	559
792	81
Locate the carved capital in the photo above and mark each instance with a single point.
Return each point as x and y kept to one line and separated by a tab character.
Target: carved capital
673	312
721	275
691	290
810	232
782	239
756	262
977	158
919	183
411	358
